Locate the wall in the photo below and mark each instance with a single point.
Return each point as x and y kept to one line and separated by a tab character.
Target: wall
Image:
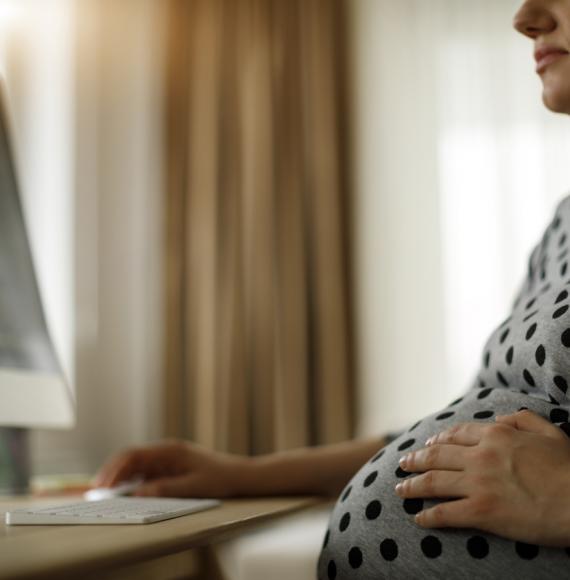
397	246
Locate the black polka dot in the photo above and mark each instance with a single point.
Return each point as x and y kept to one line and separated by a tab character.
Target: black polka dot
484	393
561	383
509	356
566	428
431	547
505	322
523	408
377	456
504	335
552	400
477	547
530	303
344	522
483	415
487	359
413	505
562	240
373	509
566	338
563	295
558	415
402	473
562	310
502	379
526	551
327	535
414	426
331	570
406	444
531	330
529	316
389	549
540	355
524	391
528	378
564	269
346	493
355	557
370	478
546	288
456	402
556	223
445	415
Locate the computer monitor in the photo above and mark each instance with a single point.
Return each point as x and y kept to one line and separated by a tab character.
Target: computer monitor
33	389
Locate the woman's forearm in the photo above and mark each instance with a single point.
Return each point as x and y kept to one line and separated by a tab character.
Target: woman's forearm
322	470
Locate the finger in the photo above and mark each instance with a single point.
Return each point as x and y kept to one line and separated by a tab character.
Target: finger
181	486
121	468
145	462
457	513
434	483
532	422
439	456
507	420
115	472
460	434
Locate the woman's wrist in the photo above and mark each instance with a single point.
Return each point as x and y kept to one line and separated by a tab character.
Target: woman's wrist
556	514
281	473
322	470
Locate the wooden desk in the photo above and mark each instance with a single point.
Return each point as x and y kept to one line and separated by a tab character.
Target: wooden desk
176	548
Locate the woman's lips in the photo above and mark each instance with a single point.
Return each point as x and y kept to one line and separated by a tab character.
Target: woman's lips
549	58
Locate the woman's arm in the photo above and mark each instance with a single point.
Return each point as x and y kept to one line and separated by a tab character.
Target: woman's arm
178	468
322	470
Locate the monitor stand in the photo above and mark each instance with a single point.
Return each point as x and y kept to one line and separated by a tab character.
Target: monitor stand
14	461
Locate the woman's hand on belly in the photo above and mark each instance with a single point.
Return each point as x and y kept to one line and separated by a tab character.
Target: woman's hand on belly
511	478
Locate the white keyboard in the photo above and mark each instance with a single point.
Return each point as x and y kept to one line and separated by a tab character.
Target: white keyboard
121	510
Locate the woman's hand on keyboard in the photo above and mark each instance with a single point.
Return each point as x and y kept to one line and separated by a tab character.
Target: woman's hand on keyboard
174	468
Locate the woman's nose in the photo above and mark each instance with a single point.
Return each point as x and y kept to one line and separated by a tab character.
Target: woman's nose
534	18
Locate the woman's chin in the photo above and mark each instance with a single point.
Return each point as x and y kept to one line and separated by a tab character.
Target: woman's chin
556	100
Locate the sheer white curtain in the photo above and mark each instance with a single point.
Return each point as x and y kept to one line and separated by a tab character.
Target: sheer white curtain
458	169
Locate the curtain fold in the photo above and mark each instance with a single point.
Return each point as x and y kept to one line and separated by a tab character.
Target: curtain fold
258	326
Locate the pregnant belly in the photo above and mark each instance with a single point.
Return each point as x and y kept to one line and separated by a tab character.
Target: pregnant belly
371	527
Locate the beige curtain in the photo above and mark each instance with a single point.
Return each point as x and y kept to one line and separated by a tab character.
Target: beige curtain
259	337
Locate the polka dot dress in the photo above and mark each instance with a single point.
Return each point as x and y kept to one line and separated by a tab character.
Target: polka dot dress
525	363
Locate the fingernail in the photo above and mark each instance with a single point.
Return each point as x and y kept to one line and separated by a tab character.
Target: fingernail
399	487
429	441
403	459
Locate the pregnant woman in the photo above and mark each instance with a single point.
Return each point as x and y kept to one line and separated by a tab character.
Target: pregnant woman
479	489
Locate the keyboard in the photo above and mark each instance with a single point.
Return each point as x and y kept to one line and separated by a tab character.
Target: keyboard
121	510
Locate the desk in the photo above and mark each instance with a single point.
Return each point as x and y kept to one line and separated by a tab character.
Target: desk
176	548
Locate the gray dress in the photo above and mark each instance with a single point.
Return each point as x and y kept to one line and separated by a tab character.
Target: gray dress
525	363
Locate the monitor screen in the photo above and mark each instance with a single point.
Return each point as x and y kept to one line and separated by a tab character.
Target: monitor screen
24	339
33	391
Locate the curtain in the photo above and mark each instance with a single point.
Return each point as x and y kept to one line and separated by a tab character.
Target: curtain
459	167
258	323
